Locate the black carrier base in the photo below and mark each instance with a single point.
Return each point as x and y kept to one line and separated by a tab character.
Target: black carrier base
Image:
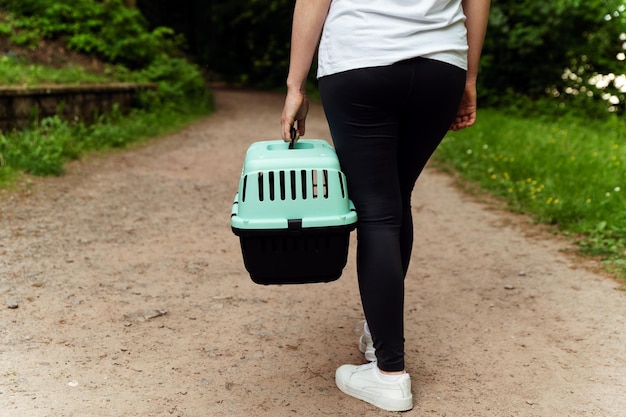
304	256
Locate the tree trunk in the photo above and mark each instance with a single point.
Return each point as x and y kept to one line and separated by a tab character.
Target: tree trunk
131	4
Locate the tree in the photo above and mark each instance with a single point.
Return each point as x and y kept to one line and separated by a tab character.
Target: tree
530	44
242	41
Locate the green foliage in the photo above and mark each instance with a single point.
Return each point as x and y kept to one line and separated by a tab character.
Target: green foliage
112	32
566	173
254	38
533	47
239	41
19	72
5	29
177	81
106	29
29	39
43	149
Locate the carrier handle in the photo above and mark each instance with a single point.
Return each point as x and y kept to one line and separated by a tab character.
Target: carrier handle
292	132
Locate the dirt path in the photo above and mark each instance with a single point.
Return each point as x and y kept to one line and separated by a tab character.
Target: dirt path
132	299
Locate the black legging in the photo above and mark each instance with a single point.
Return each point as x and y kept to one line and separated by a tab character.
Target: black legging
385	123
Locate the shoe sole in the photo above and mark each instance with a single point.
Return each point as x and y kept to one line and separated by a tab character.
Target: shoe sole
386	404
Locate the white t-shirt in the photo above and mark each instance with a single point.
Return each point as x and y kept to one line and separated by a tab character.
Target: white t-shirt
372	33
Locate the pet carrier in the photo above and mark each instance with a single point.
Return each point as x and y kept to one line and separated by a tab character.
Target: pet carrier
292	213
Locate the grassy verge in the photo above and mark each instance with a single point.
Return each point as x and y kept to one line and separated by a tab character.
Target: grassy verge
567	173
14	71
44	149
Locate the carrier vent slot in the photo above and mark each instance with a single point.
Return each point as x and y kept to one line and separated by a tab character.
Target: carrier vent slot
314	182
325	183
271	185
343	191
303	177
292	177
260	180
283	185
245	186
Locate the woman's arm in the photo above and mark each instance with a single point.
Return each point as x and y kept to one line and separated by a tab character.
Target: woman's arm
308	21
477	14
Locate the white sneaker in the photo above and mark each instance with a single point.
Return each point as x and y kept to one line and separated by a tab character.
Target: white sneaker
366	345
363	382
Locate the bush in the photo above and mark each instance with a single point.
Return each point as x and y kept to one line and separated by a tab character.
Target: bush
106	29
41	151
44	149
177	81
119	36
552	50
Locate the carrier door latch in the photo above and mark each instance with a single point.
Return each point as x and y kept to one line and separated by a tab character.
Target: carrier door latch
294	224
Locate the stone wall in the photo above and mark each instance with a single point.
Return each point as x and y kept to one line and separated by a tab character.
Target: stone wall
20	106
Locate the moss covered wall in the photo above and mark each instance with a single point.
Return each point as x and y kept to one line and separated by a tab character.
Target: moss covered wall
20	106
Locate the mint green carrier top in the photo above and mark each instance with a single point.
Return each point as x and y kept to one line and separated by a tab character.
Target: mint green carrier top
280	187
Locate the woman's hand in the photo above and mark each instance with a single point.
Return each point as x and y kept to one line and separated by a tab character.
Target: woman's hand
466	115
477	15
294	114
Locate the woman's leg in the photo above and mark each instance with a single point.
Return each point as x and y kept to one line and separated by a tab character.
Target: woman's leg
424	121
385	123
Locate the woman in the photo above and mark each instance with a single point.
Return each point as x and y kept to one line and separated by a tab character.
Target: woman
394	77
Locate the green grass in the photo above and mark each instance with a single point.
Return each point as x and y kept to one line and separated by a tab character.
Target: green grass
566	173
16	72
45	148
